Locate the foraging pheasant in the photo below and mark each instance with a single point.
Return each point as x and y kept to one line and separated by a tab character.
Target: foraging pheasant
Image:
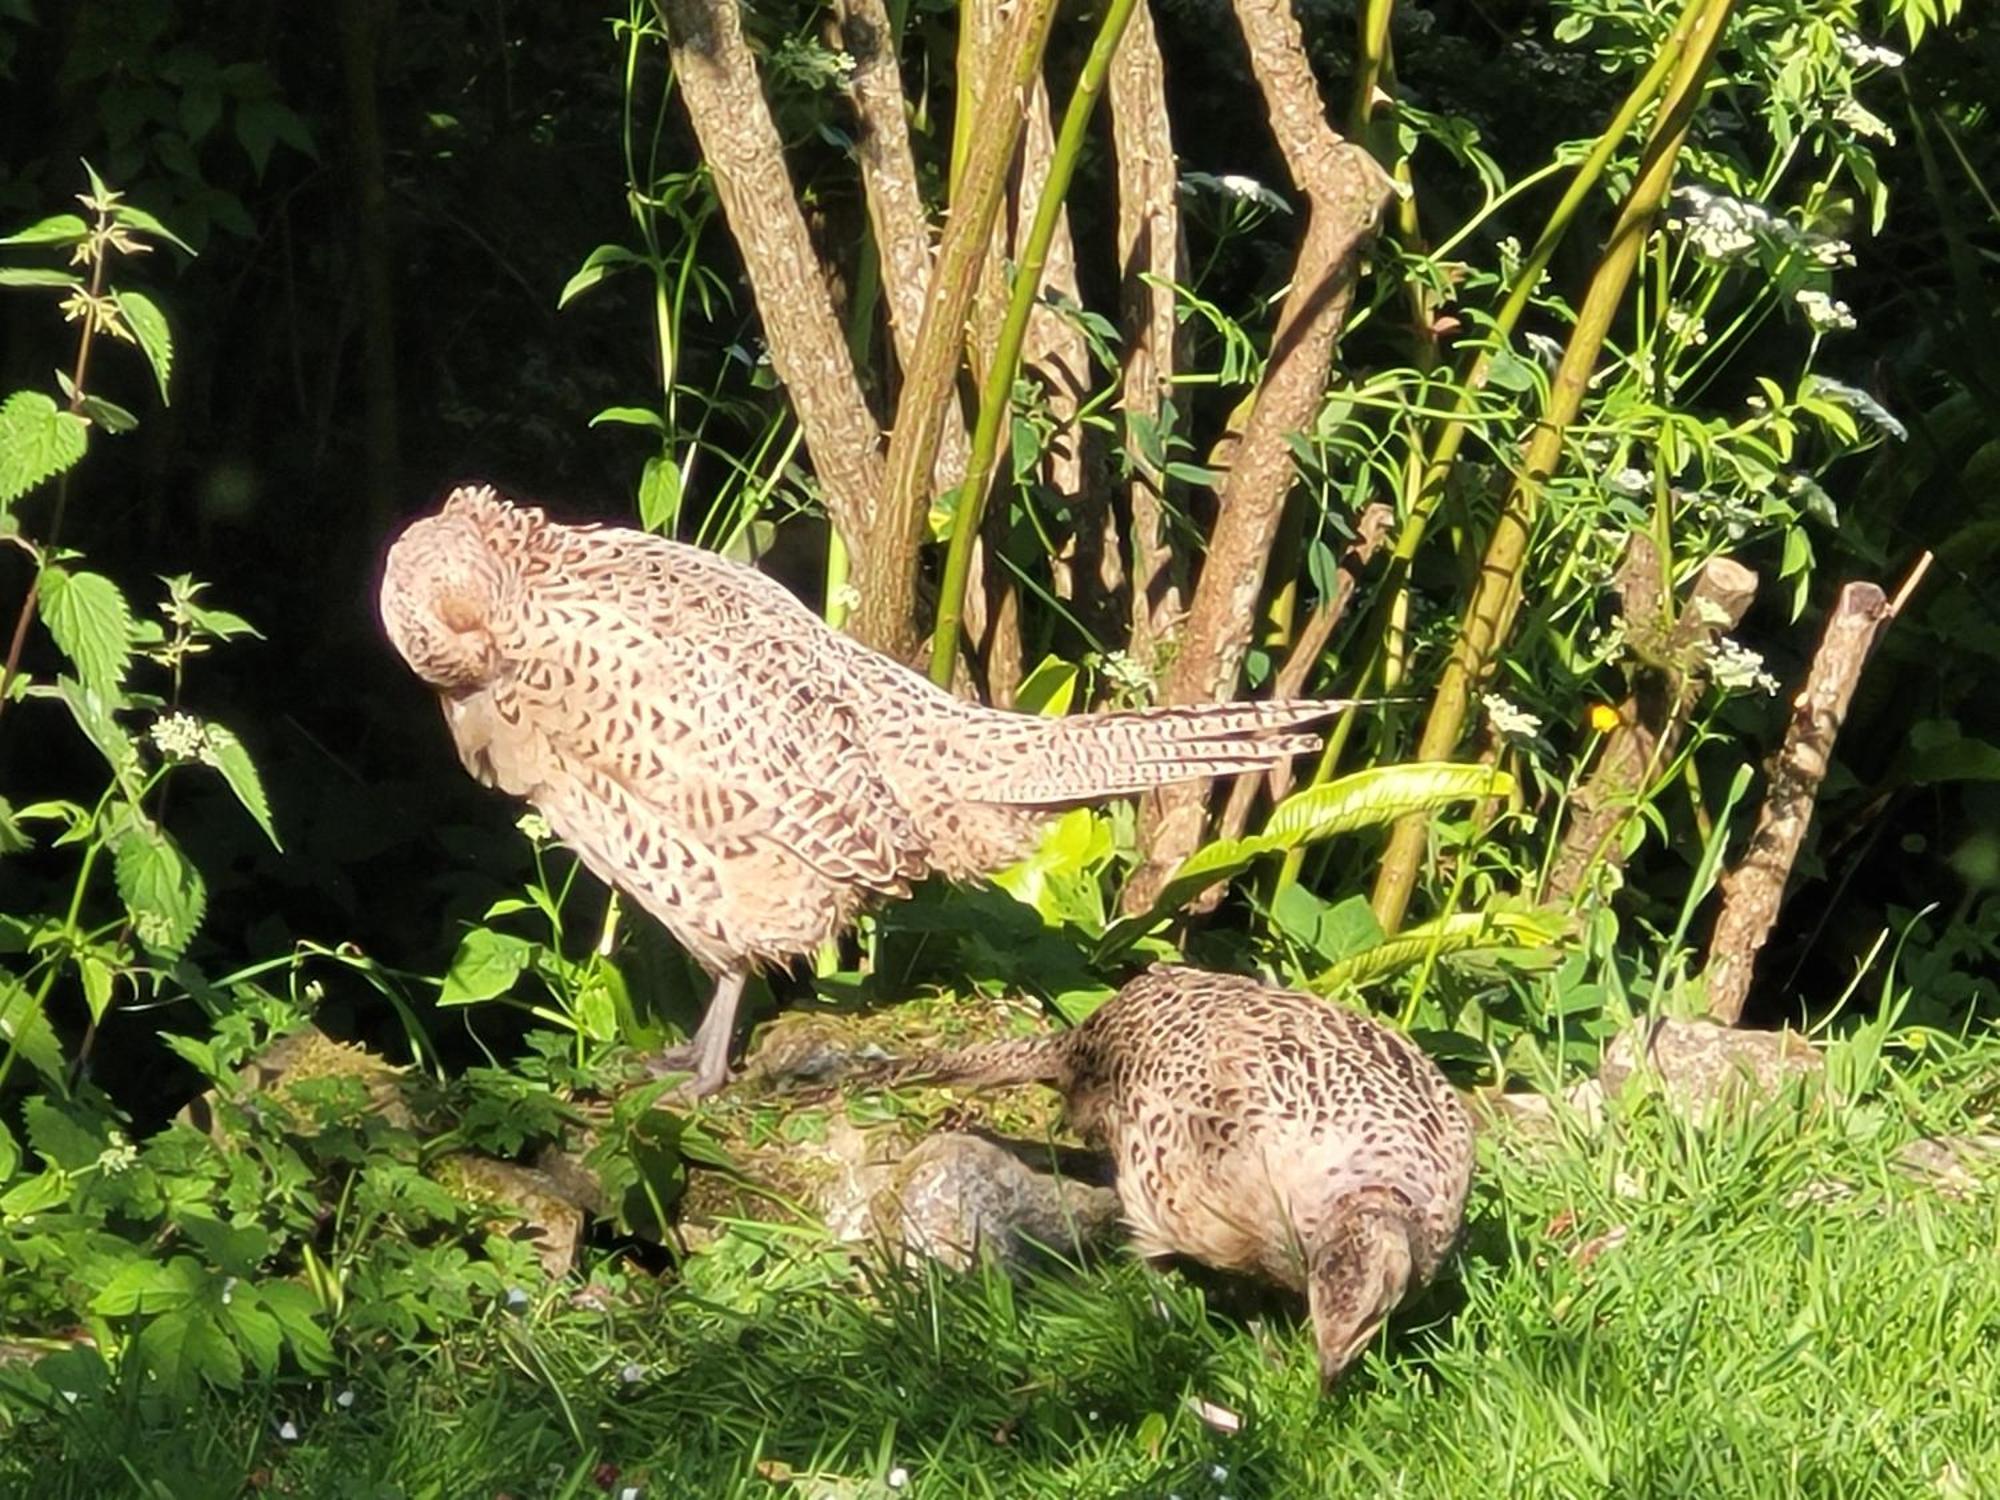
749	776
1258	1130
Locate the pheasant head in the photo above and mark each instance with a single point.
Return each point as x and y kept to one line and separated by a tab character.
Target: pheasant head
441	593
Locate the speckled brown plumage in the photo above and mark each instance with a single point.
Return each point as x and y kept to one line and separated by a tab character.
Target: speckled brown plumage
1259	1130
704	742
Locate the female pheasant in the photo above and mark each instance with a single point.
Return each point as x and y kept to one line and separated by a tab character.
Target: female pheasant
1258	1130
747	775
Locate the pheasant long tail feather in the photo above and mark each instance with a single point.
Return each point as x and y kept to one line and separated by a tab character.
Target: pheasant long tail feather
1108	755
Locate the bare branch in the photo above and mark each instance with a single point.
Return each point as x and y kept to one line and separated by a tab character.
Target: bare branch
740	142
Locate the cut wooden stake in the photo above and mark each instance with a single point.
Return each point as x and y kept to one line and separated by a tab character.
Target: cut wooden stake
1753	892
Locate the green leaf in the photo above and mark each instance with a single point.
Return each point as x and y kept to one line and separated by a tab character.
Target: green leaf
109	415
60	1138
1379	795
160	888
262	123
10	1154
97	977
93	717
12	839
1048	690
297	1313
187	1345
631	416
26	1031
660	494
1453	934
92	623
145	223
252	1325
59	229
597	265
149	326
36	276
226	754
236	1249
37	441
485	967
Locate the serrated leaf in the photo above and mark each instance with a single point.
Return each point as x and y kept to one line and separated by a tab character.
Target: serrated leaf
92	624
36	276
26	1030
145	223
59	1137
93	717
226	754
485	967
187	1345
163	892
149	327
97	977
57	229
38	440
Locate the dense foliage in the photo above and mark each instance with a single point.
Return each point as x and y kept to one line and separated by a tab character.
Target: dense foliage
1484	425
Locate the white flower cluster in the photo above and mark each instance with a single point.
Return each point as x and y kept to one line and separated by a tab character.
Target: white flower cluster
1737	667
1510	721
1686	326
1824	313
1235	185
1631	483
1722	229
536	827
179	736
1862	54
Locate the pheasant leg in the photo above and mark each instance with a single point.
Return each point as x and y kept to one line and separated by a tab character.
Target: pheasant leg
708	1053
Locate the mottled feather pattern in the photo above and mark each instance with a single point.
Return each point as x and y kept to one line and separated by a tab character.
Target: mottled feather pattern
1258	1130
704	741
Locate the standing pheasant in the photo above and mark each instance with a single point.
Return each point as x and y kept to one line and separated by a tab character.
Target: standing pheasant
1258	1130
749	776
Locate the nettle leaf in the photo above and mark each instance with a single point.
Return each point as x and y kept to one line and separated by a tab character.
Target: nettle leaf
226	754
485	967
160	888
94	717
60	229
63	1138
92	623
26	1030
149	326
38	440
36	276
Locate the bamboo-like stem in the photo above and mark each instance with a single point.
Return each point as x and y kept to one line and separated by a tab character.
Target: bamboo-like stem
997	391
1382	667
1496	597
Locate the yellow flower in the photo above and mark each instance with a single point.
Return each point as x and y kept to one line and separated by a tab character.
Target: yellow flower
1603	717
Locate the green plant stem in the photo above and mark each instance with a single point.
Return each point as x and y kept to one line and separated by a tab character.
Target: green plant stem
996	393
1496	597
1383	666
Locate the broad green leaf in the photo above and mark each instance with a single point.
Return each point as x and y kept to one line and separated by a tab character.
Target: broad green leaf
59	229
264	122
187	1345
145	223
37	1195
149	326
1048	690
297	1312
38	440
597	265
10	1154
1453	934
1379	795
226	753
485	967
59	1138
26	1031
36	276
92	623
235	1249
251	1325
631	416
659	494
108	415
160	888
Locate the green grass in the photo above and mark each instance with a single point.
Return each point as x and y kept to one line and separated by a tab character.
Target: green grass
1648	1311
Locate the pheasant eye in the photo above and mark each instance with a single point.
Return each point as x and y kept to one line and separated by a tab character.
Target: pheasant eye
459	613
